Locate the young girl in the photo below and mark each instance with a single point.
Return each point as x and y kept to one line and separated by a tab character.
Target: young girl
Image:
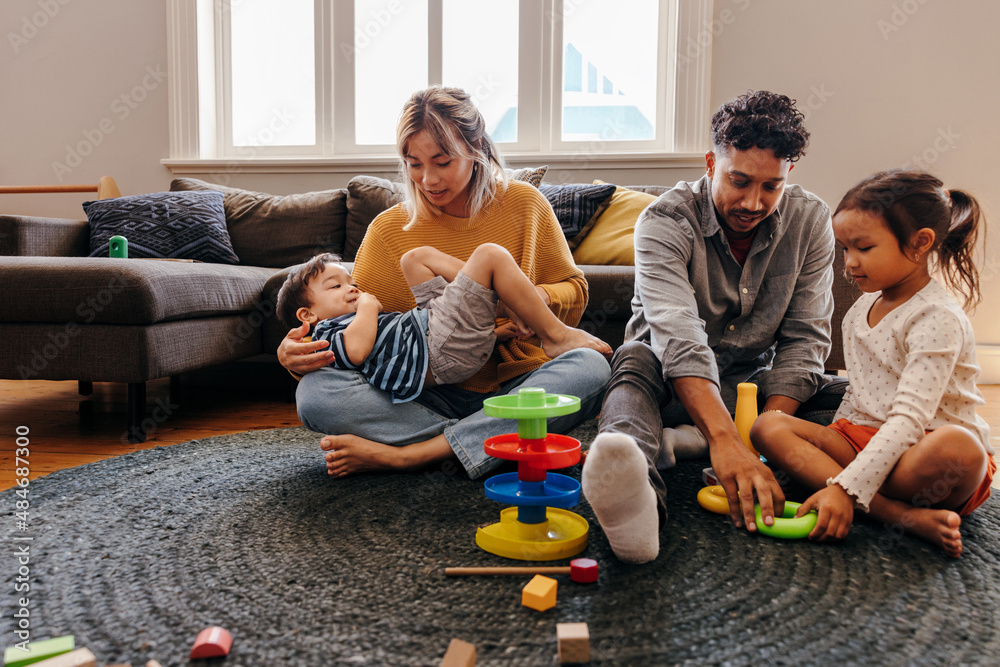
906	446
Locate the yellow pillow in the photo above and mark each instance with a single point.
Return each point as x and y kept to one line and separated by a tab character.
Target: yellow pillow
610	240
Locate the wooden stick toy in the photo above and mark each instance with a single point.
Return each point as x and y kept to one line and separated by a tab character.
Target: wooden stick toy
580	570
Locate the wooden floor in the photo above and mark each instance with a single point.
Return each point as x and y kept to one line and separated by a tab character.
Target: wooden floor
65	429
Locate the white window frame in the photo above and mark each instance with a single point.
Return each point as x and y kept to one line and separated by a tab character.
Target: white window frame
199	140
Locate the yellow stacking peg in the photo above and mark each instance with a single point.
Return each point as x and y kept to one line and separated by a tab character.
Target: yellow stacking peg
746	412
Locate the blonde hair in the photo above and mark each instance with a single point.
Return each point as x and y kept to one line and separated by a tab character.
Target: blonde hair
449	116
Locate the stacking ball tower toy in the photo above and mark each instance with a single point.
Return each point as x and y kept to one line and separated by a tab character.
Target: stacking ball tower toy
538	527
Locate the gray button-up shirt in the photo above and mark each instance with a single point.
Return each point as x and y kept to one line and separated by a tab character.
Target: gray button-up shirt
706	316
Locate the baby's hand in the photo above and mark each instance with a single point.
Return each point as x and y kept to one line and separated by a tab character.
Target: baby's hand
836	513
366	298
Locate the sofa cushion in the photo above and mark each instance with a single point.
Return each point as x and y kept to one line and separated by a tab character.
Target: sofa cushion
610	241
530	175
180	225
367	196
279	230
125	291
577	206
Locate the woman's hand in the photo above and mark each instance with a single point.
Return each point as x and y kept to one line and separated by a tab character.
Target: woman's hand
836	513
301	358
521	329
505	331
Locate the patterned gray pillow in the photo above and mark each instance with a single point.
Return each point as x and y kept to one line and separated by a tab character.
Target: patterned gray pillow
577	207
176	225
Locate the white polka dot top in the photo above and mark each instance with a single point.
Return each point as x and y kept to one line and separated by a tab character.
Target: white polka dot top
914	371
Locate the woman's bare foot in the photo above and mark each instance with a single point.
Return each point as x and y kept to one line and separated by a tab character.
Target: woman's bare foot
940	527
572	339
349	454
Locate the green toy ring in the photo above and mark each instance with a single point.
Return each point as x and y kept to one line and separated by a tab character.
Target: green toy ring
786	527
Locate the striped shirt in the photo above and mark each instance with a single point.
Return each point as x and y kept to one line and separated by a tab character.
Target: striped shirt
398	360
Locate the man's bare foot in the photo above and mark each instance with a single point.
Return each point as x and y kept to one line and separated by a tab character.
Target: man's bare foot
572	339
940	527
349	454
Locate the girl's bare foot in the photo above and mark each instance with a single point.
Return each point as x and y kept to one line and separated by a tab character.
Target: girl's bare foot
572	339
940	527
349	454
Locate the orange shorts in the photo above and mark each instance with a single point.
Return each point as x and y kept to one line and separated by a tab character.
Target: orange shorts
859	436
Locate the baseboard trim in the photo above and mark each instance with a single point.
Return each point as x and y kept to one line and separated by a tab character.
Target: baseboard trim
989	361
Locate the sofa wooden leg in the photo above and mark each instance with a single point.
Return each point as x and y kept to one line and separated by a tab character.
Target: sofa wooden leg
85	387
136	411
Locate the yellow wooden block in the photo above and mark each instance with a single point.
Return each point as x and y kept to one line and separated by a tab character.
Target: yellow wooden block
459	654
574	642
81	657
539	593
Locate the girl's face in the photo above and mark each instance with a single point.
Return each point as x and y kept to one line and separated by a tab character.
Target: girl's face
443	179
871	252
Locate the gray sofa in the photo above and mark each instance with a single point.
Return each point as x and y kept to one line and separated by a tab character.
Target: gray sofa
66	316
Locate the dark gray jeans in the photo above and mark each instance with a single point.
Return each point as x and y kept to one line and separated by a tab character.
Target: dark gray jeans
637	399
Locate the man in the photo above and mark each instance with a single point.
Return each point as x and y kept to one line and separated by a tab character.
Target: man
732	284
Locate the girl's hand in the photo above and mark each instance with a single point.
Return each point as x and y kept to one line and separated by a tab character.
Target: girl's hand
836	513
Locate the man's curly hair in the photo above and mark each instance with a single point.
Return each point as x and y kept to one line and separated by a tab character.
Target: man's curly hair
761	119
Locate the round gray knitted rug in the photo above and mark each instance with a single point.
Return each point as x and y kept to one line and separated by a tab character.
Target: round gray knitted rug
135	555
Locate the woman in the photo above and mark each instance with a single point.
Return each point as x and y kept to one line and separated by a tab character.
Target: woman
458	198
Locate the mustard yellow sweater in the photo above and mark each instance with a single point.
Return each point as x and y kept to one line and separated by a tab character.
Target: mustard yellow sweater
521	221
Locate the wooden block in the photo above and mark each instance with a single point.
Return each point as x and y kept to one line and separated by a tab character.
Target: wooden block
539	593
574	642
459	654
213	642
47	648
81	657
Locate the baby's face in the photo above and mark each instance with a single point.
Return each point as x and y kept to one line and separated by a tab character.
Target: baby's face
332	293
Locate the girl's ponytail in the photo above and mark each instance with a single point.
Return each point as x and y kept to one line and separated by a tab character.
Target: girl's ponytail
955	252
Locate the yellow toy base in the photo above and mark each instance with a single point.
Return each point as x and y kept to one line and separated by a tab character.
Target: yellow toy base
561	535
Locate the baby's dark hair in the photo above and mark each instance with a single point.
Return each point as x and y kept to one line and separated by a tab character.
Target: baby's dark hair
760	119
909	201
294	293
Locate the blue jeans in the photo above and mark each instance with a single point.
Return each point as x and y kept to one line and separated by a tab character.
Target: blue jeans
640	404
333	401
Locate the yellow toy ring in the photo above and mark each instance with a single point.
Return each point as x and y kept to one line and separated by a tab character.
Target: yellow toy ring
713	498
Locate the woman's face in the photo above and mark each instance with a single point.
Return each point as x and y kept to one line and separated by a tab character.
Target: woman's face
443	179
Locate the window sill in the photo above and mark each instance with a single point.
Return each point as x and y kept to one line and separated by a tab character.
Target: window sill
357	164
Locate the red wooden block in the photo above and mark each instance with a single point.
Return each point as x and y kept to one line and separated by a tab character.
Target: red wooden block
213	642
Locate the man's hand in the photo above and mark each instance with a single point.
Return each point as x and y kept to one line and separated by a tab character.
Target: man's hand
743	476
302	358
836	513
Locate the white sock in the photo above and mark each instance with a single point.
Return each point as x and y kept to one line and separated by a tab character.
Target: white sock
616	484
681	443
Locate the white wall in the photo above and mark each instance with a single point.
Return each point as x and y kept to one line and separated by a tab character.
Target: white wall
876	96
65	66
885	83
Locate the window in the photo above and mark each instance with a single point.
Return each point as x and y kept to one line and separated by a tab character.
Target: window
327	78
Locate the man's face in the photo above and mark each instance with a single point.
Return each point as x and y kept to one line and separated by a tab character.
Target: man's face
746	186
